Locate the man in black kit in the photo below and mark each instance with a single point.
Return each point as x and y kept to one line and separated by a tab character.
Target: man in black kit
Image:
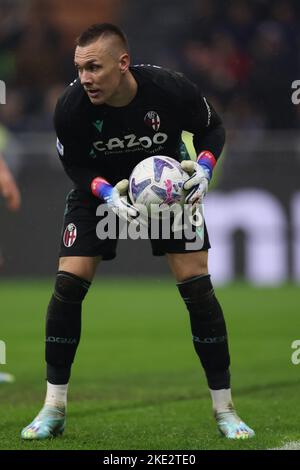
103	131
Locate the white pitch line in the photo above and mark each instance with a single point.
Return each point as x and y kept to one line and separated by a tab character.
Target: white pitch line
293	445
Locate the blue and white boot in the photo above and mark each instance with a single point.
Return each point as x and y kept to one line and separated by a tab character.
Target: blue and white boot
231	426
49	423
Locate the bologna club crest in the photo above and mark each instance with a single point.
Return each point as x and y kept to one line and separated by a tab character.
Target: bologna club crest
152	119
70	235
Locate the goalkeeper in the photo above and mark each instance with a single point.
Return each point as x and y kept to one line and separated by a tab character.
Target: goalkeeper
110	118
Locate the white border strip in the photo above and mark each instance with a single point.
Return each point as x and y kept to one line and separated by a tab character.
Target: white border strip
292	445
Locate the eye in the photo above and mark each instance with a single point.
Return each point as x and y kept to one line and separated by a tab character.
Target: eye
94	67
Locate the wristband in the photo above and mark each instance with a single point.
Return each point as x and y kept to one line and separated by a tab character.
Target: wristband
101	188
207	160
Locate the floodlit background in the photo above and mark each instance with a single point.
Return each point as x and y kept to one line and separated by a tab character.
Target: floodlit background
243	55
136	382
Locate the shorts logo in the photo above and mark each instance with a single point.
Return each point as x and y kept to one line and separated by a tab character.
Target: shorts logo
152	119
70	235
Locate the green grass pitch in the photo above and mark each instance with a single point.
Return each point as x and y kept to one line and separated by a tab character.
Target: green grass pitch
137	383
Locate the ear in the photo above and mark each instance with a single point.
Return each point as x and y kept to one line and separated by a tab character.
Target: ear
124	62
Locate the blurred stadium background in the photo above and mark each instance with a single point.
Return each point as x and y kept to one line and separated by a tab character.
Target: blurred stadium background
245	56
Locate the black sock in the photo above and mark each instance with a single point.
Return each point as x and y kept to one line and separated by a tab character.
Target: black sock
63	326
208	329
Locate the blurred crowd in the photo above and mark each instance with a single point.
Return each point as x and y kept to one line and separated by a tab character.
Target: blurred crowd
34	63
243	54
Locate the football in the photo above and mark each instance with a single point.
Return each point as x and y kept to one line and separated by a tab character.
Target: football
157	181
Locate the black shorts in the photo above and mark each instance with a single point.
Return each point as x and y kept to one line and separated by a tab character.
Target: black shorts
79	237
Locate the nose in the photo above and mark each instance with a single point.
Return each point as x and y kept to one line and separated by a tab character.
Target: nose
85	77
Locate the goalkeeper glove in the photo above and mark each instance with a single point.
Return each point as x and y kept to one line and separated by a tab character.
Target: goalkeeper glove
200	173
115	197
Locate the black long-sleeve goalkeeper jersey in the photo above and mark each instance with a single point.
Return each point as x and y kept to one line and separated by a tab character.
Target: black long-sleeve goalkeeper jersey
109	141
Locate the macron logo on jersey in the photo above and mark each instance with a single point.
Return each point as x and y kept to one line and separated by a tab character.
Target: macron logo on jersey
60	147
98	124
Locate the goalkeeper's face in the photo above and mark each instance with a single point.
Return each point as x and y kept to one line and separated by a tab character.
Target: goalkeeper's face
102	67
